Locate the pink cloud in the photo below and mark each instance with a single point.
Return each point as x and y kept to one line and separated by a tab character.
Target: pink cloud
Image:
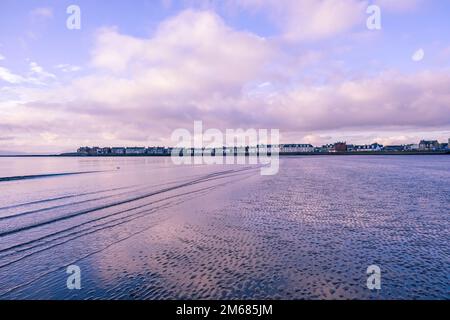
195	67
309	19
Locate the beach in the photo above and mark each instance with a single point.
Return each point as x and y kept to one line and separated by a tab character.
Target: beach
144	228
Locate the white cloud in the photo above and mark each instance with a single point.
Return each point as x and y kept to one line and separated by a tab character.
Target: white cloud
190	54
388	100
8	76
196	67
309	19
191	58
2	57
43	12
65	67
36	76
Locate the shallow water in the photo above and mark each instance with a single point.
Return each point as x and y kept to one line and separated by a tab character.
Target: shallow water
142	228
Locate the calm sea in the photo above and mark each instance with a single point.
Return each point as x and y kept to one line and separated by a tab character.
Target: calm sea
143	228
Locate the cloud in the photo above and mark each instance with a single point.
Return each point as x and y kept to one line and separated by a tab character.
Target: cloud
8	76
42	13
196	67
36	76
65	67
2	57
190	59
39	72
309	19
388	100
190	54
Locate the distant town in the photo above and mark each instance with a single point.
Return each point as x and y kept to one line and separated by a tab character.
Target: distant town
424	146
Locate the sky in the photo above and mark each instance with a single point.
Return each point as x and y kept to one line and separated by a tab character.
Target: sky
135	71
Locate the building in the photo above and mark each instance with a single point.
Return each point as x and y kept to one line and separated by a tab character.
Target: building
377	147
198	151
241	151
209	152
135	151
188	152
169	150
368	148
84	151
103	151
118	150
361	148
394	148
296	148
263	149
318	149
411	147
325	148
253	150
429	145
273	148
286	149
157	151
339	147
94	151
176	151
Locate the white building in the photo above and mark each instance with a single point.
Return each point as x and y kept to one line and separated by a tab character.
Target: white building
366	148
253	150
118	150
296	148
412	147
135	150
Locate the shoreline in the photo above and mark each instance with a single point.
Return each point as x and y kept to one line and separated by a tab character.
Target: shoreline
374	153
